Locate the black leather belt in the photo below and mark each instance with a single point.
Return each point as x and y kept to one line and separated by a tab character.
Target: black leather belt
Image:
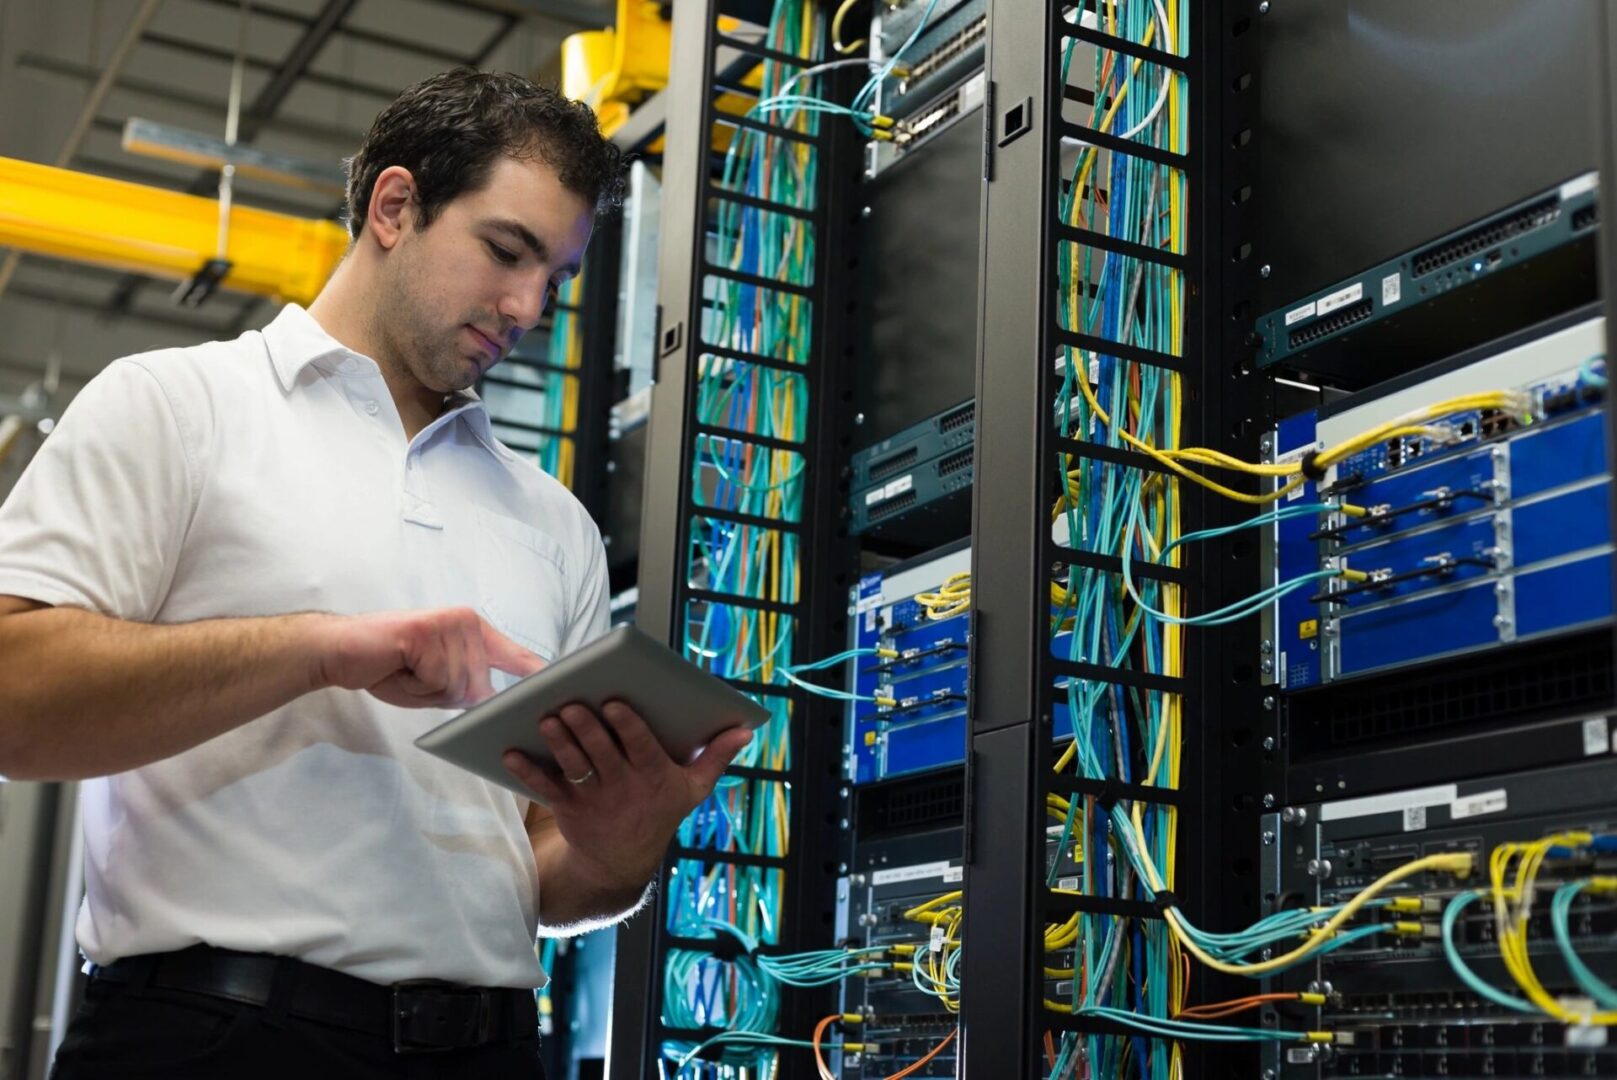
418	1016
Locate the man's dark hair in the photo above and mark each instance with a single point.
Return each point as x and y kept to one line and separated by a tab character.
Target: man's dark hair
450	129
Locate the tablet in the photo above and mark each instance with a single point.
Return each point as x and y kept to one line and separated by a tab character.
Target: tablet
683	705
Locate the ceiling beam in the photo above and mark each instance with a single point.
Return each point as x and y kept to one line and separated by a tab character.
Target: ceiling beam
153	318
580	14
258	63
369	37
270	98
307	129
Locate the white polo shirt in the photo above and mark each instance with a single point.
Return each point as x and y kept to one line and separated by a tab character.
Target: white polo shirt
268	475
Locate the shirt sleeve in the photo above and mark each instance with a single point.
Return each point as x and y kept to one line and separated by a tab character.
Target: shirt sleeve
591	616
98	517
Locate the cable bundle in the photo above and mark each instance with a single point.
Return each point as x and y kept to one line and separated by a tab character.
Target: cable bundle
1123	966
750	560
556	452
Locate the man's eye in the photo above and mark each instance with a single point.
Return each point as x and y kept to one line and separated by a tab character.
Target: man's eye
501	255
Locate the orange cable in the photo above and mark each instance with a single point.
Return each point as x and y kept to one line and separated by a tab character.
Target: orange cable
909	1070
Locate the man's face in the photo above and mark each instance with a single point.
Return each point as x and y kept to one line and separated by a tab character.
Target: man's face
459	293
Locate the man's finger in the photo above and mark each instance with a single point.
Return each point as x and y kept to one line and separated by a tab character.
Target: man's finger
640	746
508	656
534	777
718	754
570	757
596	740
478	686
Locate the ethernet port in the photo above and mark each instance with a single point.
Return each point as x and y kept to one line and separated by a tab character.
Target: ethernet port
1496	422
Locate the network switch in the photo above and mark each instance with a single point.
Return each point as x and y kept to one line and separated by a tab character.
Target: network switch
1511	268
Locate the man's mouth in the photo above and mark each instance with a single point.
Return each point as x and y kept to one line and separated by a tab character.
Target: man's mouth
488	342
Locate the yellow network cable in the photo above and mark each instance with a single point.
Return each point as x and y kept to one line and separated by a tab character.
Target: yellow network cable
1512	905
952	598
1458	863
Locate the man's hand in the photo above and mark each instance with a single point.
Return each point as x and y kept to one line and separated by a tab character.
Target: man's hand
418	659
618	819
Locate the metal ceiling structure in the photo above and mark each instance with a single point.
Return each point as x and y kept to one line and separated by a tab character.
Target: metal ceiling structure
316	72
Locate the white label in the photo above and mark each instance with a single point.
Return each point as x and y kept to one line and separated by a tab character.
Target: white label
870	621
1414	818
918	872
1577	186
1483	802
1594	736
1392	288
1341	296
869	603
936	938
1297	314
1094	372
874	495
954	874
1396	802
898	487
1585	1036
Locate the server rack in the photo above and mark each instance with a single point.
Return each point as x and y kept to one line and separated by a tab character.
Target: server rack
1011	755
708	62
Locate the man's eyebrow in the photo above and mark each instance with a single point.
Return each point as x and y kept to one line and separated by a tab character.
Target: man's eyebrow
516	229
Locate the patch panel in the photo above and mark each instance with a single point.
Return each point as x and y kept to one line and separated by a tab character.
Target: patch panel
886	878
949	47
1407	1010
918	481
949	430
1481	529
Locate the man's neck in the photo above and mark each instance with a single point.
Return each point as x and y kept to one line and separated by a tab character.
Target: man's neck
338	316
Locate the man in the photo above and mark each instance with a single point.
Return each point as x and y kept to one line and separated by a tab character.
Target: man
270	862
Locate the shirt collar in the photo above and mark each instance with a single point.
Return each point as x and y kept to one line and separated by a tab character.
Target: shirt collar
295	340
471	410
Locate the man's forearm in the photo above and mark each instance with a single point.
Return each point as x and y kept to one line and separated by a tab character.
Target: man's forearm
85	695
576	895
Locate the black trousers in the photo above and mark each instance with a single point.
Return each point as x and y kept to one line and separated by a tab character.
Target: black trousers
128	1033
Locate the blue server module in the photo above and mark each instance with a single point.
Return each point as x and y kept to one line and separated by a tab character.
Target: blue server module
1465	532
910	712
925	728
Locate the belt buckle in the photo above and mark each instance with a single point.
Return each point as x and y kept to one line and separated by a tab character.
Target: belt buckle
408	995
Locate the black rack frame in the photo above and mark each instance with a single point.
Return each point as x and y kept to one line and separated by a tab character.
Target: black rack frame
1011	753
702	67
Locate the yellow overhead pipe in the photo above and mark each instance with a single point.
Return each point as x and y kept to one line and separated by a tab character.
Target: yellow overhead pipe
148	230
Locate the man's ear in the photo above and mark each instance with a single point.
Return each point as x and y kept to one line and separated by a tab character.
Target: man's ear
393	205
